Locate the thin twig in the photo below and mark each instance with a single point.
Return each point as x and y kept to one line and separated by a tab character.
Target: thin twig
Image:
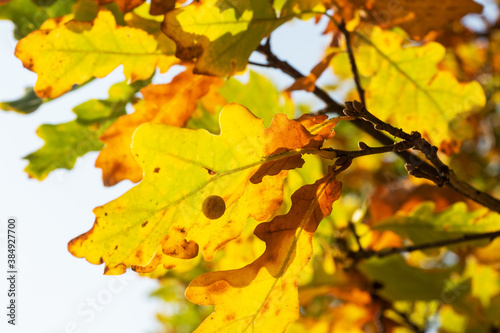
336	108
394	250
354	68
352	227
258	64
414	327
442	175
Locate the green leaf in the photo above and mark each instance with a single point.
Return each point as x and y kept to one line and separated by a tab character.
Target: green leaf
250	95
409	283
220	34
28	103
28	16
64	143
422	225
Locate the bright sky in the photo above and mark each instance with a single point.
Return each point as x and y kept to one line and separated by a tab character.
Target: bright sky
58	292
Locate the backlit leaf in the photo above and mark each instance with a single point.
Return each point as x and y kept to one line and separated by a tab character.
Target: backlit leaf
422	225
248	94
410	283
404	86
77	51
64	143
220	35
266	289
170	104
418	17
28	16
182	167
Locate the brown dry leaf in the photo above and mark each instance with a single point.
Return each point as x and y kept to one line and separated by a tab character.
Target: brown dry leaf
315	124
418	18
124	5
266	290
170	104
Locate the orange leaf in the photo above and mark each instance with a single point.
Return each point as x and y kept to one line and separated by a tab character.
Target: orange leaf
266	290
171	104
316	125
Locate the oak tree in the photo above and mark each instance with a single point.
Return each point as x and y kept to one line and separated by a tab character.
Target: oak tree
373	213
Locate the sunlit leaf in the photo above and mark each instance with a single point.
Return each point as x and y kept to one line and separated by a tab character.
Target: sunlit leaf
28	16
266	289
182	168
220	35
170	104
422	225
418	18
64	143
404	86
77	51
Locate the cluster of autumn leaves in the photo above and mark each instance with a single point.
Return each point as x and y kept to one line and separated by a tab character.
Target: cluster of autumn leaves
231	196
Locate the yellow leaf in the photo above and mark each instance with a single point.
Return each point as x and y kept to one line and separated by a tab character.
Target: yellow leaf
266	290
182	167
404	86
221	35
75	52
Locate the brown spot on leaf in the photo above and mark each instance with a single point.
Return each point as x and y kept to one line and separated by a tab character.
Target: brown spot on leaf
230	317
156	170
144	224
218	287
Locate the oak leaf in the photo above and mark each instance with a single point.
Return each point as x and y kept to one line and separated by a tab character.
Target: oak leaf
77	51
26	104
220	35
403	85
266	290
170	104
417	18
124	5
64	143
249	94
423	225
28	16
163	214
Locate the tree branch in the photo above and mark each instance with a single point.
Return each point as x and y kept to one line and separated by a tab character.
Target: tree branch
443	174
365	254
334	107
352	61
438	172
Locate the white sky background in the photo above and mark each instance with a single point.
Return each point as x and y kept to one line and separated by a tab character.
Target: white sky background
54	287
